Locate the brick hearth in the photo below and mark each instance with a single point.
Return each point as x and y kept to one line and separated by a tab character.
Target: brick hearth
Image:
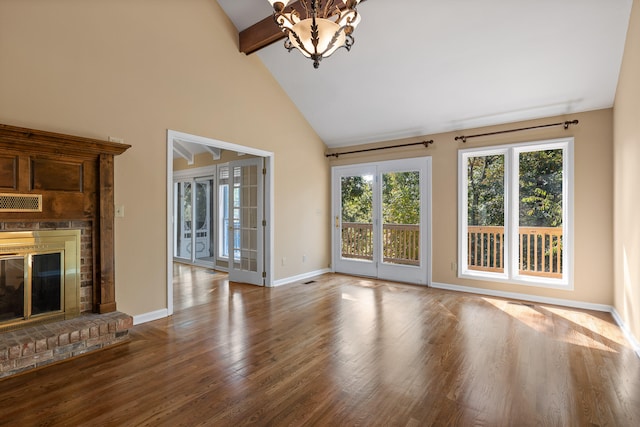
41	345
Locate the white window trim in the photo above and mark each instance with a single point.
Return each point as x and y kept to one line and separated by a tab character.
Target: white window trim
511	220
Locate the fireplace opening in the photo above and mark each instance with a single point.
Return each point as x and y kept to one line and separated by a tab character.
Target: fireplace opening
42	296
39	277
46	283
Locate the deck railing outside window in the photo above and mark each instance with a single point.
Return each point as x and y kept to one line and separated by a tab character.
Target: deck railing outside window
400	242
540	250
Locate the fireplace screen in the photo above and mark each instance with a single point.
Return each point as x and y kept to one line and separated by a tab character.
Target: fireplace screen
44	295
11	288
39	276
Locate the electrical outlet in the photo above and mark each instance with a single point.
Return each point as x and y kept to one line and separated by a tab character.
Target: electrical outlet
284	261
304	258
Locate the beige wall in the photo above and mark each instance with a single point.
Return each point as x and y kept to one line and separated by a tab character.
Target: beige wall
592	196
627	180
135	68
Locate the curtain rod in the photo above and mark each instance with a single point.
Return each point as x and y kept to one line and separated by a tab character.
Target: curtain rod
336	155
566	125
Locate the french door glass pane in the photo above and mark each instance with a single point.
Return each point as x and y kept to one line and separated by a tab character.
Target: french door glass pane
401	218
204	220
245	218
183	220
485	213
223	203
357	217
540	213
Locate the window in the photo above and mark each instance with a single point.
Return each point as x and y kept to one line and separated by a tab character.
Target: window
223	210
223	206
515	219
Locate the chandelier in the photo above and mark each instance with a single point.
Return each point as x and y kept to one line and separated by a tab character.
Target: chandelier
322	31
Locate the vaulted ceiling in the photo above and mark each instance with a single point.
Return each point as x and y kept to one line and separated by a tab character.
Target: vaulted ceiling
426	66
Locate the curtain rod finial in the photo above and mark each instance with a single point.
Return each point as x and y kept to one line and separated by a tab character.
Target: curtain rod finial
568	123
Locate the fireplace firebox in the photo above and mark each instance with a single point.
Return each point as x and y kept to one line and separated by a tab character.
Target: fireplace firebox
39	277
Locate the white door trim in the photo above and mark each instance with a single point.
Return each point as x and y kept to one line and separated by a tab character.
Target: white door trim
268	200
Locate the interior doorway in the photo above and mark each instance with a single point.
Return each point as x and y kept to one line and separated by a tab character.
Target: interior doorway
221	215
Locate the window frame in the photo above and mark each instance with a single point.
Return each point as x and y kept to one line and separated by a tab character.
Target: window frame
511	154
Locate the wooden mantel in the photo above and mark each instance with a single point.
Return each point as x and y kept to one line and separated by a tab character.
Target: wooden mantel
74	176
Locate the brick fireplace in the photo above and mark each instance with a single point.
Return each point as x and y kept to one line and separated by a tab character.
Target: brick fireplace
67	183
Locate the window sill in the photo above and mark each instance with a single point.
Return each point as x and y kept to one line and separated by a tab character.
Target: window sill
561	284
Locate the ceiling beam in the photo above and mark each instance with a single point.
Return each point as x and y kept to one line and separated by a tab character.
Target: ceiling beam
263	33
215	151
182	151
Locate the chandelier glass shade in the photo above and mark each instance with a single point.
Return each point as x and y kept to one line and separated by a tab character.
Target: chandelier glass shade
325	27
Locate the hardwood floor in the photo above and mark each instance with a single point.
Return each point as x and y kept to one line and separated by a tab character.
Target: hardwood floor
342	351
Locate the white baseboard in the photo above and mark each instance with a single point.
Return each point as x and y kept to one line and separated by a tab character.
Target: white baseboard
300	277
627	332
152	315
524	297
635	345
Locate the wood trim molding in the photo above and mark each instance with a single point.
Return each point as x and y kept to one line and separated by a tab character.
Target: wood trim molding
24	139
106	263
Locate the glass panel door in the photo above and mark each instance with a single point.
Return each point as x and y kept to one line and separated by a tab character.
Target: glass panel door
401	218
246	249
203	220
183	219
381	220
404	207
354	220
194	219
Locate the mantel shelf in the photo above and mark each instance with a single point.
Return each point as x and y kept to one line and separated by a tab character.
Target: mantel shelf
24	139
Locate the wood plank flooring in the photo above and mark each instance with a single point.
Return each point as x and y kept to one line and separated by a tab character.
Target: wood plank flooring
342	351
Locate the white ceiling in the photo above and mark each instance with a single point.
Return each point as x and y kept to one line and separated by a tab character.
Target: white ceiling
426	66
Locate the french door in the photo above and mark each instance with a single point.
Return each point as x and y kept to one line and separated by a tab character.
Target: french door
381	219
193	228
246	226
